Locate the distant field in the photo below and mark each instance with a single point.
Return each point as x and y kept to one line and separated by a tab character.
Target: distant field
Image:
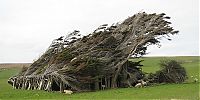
188	90
11	65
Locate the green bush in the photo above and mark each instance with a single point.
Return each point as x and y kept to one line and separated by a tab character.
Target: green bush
171	72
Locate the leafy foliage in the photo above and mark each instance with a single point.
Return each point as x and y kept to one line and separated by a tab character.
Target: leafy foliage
171	72
64	56
94	67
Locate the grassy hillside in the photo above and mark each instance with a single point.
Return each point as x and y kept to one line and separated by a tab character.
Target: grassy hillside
188	90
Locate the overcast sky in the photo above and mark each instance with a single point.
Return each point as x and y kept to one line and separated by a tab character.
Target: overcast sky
27	27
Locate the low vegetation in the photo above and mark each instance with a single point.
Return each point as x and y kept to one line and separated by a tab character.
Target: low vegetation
170	71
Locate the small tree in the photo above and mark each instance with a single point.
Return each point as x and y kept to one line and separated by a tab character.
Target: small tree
171	72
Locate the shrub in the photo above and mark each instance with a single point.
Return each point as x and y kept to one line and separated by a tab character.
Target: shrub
171	72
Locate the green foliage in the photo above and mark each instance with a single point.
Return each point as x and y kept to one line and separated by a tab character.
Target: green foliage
171	72
136	65
96	34
92	62
94	67
65	55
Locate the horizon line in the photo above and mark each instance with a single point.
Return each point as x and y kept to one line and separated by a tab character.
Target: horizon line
142	56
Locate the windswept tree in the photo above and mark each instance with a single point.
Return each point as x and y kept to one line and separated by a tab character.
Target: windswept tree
141	30
100	59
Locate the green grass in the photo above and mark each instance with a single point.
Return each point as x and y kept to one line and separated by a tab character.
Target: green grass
188	90
191	64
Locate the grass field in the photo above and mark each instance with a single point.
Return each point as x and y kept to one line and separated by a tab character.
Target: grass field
187	90
11	65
